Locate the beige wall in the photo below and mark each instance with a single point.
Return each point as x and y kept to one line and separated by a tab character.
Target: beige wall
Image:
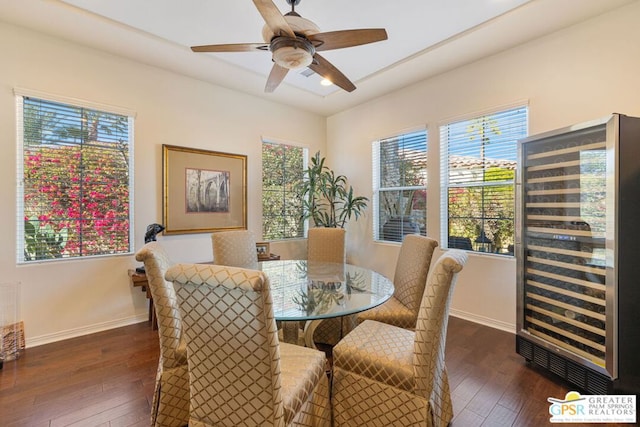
62	299
582	73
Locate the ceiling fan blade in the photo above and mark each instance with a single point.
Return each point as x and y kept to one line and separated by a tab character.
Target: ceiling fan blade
273	18
347	38
275	77
329	72
236	47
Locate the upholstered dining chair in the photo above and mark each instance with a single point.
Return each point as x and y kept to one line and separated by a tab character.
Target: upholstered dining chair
384	375
409	281
240	374
325	244
171	395
235	248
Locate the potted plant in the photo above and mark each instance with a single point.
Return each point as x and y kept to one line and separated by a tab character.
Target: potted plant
326	198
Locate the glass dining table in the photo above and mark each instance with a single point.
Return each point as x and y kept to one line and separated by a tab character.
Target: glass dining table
306	291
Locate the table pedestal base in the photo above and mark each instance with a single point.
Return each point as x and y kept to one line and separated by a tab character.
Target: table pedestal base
309	328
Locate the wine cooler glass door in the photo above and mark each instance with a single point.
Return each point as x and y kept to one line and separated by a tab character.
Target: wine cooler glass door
564	219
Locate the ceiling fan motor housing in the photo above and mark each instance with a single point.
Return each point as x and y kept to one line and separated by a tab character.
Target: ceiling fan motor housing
288	52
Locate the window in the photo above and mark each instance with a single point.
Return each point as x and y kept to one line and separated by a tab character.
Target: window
478	173
282	169
74	181
400	186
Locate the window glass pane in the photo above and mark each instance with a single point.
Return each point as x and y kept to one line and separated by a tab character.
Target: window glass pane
479	159
400	186
395	227
74	198
282	169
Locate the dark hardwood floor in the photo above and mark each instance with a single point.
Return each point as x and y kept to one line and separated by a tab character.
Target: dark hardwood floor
106	379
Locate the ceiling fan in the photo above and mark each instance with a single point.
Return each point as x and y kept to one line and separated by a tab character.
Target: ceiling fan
295	42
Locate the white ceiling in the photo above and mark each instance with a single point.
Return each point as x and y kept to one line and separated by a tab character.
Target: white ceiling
426	37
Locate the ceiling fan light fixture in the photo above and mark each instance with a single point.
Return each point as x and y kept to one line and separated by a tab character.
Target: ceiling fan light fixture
292	58
326	82
292	53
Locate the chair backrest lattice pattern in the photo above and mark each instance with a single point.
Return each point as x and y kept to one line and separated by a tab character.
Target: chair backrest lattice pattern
412	268
156	262
234	359
171	396
431	331
235	248
326	245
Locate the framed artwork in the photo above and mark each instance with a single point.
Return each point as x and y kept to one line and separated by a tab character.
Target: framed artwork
203	191
263	250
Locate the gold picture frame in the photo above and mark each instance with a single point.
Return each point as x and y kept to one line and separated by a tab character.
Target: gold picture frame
203	191
263	250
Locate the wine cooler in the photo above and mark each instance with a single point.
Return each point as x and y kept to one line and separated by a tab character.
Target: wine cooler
578	254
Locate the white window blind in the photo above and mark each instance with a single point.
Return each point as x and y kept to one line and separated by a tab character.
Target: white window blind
74	181
478	158
400	186
282	171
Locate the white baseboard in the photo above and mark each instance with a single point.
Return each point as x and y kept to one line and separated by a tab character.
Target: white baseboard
487	321
85	330
99	327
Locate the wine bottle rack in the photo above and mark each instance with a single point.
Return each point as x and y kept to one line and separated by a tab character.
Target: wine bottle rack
565	295
568	246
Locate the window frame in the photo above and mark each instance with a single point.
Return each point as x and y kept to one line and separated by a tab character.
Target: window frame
445	185
20	95
305	162
378	188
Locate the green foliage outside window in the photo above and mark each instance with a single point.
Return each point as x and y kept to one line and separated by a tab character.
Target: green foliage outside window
75	176
282	170
479	180
488	209
400	187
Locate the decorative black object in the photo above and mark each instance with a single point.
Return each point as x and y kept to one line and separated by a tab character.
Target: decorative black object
483	243
150	236
152	231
